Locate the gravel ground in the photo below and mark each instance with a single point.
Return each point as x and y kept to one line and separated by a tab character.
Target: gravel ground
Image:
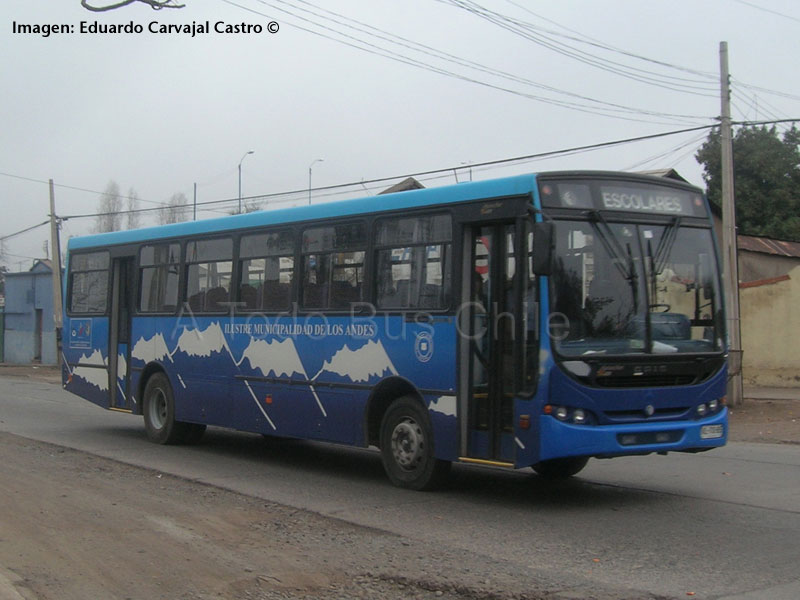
75	526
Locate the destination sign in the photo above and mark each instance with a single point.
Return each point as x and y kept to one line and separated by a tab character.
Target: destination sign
623	196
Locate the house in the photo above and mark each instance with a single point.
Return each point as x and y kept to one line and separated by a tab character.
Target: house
30	334
769	292
408	184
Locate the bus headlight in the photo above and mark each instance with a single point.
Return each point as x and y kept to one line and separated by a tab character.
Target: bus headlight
709	408
576	416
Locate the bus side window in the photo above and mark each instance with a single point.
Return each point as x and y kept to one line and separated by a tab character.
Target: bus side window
208	274
266	271
413	262
333	266
88	283
159	266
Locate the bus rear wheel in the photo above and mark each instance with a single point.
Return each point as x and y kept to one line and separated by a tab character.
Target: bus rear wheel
406	441
159	413
560	468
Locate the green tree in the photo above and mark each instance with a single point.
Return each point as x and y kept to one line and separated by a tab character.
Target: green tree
766	174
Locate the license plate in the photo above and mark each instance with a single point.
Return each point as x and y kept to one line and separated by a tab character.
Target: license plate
708	432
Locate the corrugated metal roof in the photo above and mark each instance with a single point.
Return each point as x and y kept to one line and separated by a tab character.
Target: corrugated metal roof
769	246
667	173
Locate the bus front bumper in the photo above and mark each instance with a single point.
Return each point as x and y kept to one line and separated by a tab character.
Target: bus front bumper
559	439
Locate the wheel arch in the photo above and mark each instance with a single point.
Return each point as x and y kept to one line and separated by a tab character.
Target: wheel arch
382	396
149	370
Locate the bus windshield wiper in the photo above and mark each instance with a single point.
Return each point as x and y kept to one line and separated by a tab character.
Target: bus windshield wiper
664	248
613	246
617	252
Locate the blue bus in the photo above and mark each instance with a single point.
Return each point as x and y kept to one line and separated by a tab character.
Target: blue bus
531	321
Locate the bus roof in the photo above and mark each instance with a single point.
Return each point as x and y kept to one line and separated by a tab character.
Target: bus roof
519	185
507	187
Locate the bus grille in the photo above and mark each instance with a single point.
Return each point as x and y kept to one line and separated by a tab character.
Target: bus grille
675	412
635	381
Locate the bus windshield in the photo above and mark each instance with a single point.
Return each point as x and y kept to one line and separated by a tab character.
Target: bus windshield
624	288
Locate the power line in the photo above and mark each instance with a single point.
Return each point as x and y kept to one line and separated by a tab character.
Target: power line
431	173
768	10
584	39
26	230
448	57
662	155
447	170
371	48
524	30
79	189
756	88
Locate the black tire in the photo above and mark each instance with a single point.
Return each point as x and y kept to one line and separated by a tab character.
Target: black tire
560	468
159	412
407	447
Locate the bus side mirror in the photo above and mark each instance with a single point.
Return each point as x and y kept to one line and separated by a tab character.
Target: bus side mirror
543	248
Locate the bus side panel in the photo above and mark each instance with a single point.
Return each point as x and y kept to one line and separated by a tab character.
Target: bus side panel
306	377
442	411
301	411
85	365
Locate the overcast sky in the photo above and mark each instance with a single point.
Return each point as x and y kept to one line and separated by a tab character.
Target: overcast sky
490	79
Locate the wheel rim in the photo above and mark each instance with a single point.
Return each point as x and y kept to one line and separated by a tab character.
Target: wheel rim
157	408
408	444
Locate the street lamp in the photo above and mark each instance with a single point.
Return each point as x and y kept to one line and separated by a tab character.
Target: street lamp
316	160
240	179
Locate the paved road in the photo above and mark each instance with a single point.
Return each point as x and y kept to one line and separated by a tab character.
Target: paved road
724	524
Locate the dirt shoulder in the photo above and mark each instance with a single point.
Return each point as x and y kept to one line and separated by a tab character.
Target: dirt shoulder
75	526
767	416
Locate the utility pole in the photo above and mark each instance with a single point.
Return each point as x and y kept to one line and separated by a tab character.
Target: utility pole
55	243
729	238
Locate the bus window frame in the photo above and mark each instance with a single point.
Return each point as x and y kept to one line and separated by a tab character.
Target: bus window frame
186	264
447	256
71	282
367	223
137	310
295	233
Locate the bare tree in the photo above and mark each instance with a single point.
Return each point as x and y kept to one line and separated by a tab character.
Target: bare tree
109	209
154	4
132	217
248	207
175	210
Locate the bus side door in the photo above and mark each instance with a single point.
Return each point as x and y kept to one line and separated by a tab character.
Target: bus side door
122	288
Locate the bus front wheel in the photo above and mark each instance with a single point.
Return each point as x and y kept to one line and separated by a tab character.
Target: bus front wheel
407	447
560	468
159	412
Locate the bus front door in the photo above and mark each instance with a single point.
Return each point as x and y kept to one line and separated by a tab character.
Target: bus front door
487	351
120	334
